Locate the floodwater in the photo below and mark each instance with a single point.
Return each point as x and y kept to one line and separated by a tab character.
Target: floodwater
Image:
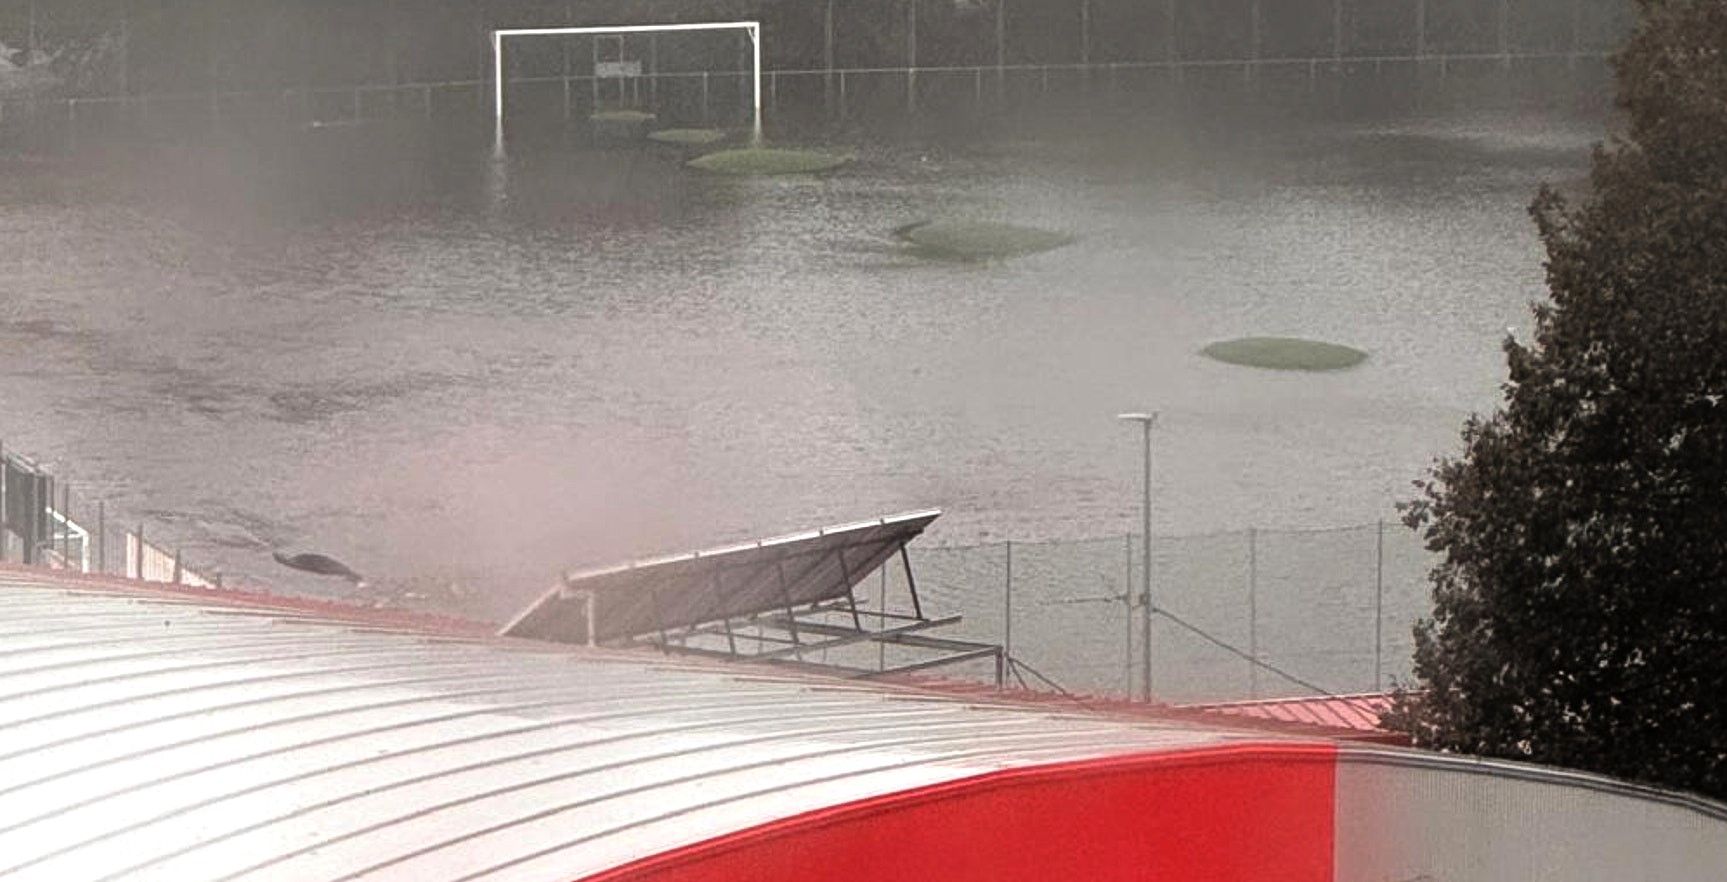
388	344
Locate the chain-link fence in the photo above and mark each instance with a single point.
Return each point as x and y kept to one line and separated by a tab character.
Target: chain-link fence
45	522
84	74
1243	614
110	48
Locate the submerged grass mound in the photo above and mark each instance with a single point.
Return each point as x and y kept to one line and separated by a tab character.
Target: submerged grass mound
687	136
621	116
769	161
1286	354
979	240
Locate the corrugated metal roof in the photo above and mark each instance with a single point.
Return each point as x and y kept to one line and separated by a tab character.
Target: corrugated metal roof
1358	712
168	737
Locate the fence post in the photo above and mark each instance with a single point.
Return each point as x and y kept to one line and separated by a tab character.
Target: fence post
5	538
881	607
1502	32
1007	606
1001	52
828	58
101	537
1257	31
125	64
1336	29
911	57
1420	30
594	74
1253	612
26	528
1378	602
1171	52
177	566
66	525
140	558
1085	36
1127	610
41	526
706	115
569	64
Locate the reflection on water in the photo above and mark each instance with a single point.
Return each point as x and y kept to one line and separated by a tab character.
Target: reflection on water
386	343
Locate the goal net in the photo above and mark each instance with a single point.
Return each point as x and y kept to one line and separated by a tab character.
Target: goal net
687	74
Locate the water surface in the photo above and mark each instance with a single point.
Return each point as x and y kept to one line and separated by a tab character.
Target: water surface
390	345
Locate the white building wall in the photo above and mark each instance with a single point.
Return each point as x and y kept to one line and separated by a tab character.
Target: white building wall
1404	817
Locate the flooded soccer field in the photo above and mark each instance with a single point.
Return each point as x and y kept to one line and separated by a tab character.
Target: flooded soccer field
398	346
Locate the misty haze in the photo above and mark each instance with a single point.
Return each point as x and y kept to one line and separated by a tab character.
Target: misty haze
259	310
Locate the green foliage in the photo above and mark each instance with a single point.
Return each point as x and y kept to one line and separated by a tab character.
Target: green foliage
979	240
768	161
1580	613
1285	353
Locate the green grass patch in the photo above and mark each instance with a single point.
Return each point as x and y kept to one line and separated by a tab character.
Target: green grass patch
769	161
687	137
1285	354
979	240
632	117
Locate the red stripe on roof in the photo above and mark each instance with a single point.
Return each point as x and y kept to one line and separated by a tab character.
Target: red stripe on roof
1242	813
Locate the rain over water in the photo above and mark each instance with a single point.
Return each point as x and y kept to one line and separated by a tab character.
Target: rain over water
392	344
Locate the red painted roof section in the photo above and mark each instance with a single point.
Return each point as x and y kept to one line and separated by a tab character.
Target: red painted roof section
1357	713
1103	820
1345	717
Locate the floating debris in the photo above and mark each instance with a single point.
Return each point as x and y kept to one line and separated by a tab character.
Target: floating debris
322	564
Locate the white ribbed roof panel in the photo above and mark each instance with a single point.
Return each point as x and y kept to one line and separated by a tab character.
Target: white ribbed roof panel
149	738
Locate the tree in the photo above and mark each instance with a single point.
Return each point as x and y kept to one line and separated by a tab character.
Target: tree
1580	599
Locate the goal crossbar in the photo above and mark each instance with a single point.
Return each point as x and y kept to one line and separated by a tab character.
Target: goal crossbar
752	28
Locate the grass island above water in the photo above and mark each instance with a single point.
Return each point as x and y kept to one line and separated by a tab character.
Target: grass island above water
979	240
1285	354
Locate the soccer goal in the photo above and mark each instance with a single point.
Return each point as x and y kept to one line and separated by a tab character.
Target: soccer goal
751	28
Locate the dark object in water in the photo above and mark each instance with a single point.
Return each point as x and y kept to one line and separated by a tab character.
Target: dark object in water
323	565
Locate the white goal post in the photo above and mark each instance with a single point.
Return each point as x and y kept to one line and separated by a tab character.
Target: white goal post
752	28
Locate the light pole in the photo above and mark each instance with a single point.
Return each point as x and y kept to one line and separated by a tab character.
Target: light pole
1146	421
